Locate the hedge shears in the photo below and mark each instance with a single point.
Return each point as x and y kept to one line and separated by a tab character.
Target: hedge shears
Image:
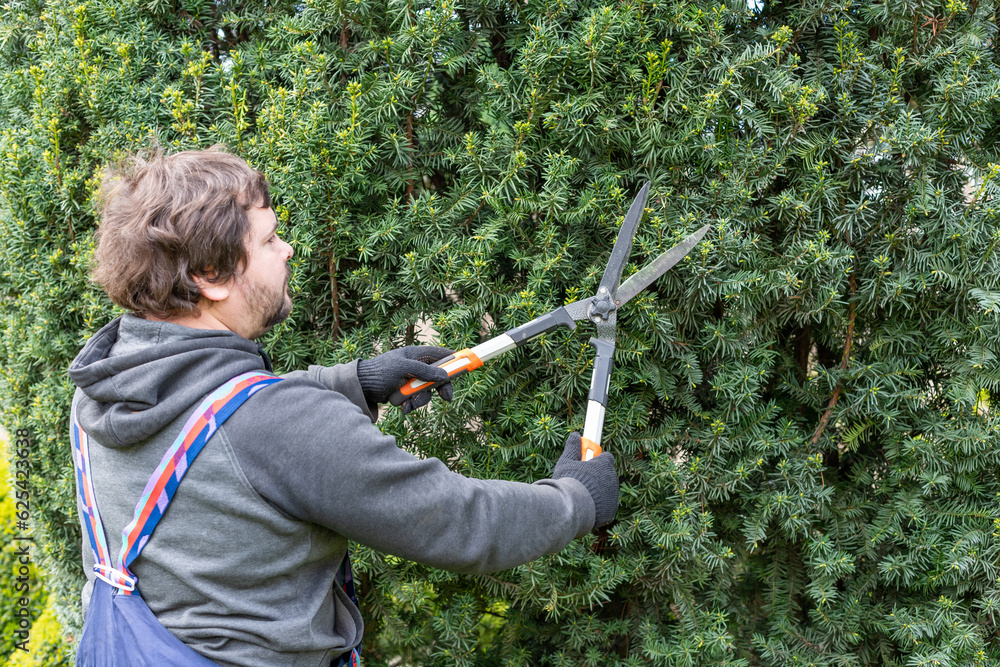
601	309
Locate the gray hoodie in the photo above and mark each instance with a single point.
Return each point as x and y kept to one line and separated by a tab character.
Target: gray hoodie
241	566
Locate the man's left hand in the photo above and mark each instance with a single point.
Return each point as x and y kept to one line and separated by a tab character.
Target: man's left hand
387	372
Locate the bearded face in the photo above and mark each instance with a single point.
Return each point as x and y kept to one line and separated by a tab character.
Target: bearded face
268	304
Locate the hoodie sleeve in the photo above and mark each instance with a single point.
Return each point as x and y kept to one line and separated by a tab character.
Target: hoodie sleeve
316	456
342	378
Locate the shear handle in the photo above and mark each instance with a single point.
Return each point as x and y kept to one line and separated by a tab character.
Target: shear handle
597	400
470	359
551	320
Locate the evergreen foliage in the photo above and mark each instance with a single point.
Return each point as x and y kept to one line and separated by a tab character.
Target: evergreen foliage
800	410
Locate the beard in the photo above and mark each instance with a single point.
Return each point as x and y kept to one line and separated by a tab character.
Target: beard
268	305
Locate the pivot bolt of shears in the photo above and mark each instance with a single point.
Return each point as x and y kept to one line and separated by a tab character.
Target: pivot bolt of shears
601	306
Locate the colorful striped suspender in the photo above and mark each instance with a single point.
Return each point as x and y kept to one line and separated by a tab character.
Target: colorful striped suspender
159	491
346	581
92	518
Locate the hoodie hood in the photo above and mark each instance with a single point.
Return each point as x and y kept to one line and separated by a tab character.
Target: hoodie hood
136	375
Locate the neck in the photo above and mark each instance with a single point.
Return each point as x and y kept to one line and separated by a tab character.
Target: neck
206	319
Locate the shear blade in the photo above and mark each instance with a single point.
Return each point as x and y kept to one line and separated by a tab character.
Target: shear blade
623	244
642	278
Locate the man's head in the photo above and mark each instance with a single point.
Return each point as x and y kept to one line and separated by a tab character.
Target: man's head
191	232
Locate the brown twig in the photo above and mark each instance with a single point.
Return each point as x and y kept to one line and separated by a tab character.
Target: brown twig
343	47
937	29
843	366
409	142
475	213
334	296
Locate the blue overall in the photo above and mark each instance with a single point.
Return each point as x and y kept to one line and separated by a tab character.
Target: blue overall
120	630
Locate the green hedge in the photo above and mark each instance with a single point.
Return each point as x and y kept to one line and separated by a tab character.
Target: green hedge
800	410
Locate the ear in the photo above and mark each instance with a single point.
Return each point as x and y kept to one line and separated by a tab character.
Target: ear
211	291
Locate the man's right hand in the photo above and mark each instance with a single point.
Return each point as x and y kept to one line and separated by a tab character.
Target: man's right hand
597	474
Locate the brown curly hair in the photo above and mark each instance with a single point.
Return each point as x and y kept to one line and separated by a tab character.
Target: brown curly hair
166	218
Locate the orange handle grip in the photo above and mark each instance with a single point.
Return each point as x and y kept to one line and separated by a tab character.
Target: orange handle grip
589	449
463	360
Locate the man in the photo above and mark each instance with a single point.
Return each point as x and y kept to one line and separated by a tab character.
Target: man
242	566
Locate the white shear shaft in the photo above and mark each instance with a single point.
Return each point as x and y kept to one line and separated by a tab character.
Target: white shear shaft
494	347
594	425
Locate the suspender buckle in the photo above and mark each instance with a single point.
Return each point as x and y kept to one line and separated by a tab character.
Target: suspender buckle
121	580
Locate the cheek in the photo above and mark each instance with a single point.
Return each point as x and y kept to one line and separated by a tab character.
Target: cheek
278	266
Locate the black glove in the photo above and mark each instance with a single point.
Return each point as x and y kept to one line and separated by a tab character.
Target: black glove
597	474
387	372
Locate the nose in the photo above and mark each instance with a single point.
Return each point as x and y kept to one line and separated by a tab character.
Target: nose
289	251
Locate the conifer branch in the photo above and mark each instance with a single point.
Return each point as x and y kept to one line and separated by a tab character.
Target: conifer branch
503	585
